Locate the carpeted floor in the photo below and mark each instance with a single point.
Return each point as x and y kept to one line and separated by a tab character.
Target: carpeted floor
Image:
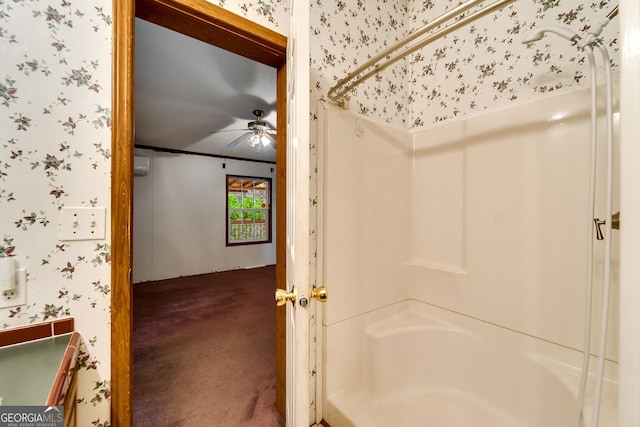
204	350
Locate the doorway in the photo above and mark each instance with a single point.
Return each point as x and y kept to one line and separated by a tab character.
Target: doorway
206	22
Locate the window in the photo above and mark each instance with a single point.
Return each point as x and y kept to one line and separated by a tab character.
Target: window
248	210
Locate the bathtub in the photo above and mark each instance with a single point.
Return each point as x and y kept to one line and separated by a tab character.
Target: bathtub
415	365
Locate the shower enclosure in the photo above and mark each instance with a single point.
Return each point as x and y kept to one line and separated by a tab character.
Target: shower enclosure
455	255
457	277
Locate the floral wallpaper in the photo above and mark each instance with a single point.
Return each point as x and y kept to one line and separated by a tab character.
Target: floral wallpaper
55	84
478	67
273	14
486	65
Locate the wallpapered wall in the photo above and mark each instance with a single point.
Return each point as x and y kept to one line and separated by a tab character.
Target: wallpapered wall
55	143
479	67
55	149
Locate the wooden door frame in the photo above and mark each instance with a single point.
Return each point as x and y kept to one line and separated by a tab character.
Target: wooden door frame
214	25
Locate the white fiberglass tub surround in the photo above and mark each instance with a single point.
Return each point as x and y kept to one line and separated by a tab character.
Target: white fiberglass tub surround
456	261
421	365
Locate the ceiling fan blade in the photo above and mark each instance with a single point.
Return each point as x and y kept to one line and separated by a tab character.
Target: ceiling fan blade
271	131
227	130
240	139
271	139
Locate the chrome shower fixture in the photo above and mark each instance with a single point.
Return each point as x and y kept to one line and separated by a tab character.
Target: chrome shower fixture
595	31
590	40
537	34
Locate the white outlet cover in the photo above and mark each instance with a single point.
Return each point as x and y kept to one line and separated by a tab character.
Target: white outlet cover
19	295
83	223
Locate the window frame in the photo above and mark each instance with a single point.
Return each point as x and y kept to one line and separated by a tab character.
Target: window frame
268	210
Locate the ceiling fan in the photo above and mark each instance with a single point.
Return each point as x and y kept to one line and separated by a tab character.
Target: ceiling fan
260	133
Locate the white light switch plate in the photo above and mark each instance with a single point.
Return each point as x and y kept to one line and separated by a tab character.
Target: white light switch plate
83	223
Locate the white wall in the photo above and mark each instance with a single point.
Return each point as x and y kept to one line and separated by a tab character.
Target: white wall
179	217
366	200
486	216
501	224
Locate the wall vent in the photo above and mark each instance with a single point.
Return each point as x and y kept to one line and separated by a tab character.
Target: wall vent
141	165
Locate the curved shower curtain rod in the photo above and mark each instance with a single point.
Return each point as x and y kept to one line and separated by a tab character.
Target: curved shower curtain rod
339	91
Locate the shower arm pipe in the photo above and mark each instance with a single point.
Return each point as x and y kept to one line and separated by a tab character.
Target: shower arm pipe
596	30
352	80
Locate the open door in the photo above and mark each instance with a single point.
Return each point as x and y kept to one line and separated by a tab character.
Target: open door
297	295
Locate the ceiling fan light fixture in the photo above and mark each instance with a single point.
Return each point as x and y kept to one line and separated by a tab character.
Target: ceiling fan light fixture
260	133
254	140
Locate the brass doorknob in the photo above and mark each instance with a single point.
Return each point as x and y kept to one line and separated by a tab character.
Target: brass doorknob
282	296
321	294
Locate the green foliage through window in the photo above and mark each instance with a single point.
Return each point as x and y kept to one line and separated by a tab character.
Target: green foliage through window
248	210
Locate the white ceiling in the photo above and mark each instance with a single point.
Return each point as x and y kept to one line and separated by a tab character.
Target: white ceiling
185	89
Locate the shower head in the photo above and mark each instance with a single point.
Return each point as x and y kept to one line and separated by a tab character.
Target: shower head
538	33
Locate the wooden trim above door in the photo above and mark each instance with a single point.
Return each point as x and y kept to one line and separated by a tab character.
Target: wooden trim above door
209	23
212	24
